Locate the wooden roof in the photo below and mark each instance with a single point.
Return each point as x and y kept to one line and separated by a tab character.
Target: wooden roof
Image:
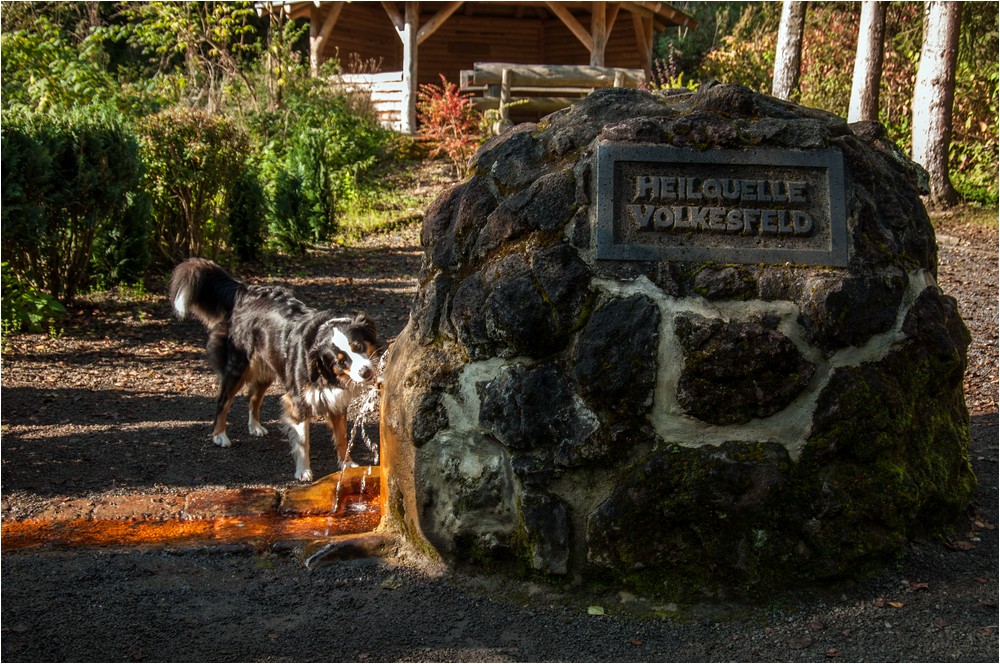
664	15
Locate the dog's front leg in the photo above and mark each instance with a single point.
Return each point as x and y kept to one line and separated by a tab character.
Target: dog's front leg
338	428
297	418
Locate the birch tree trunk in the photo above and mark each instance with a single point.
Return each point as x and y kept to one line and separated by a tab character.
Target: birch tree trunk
788	52
868	63
933	96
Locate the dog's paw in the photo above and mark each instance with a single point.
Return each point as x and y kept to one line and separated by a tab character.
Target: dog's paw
304	475
349	464
222	440
256	430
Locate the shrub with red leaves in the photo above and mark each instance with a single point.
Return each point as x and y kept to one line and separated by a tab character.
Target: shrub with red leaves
448	118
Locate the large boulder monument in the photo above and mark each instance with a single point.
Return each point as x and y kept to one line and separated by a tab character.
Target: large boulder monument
682	342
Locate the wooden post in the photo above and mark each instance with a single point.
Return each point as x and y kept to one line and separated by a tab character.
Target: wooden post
314	28
599	33
406	27
320	32
505	95
408	115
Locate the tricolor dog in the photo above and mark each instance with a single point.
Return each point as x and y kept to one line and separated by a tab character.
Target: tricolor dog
257	334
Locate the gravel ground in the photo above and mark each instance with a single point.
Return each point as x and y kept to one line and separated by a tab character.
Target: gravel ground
120	404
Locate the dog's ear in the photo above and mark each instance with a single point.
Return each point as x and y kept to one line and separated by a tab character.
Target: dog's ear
320	363
366	326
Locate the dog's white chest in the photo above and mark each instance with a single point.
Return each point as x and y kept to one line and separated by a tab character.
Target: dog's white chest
329	399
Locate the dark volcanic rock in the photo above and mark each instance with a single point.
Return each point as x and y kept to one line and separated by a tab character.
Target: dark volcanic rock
674	426
615	358
738	371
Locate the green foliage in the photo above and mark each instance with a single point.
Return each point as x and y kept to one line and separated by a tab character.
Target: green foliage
974	151
290	226
746	54
737	46
828	47
666	77
196	51
317	152
681	50
45	69
26	309
65	180
121	249
191	160
448	118
247	215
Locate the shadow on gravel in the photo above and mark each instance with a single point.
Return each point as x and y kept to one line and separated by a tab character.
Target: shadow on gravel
130	441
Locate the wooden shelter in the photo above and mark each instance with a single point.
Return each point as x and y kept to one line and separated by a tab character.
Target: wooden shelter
422	40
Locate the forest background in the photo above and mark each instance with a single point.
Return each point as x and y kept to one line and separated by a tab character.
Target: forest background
136	134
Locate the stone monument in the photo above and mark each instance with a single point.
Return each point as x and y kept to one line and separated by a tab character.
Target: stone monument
682	342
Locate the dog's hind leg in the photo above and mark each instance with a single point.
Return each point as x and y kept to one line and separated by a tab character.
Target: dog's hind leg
297	423
227	392
231	379
258	389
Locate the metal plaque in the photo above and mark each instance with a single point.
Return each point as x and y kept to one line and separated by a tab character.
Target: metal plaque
730	206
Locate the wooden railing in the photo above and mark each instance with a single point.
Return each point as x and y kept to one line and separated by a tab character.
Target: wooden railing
385	90
540	88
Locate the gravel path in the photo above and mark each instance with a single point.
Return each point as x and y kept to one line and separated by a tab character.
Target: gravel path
119	404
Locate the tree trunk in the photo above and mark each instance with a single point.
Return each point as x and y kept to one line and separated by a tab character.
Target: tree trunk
933	96
868	63
788	53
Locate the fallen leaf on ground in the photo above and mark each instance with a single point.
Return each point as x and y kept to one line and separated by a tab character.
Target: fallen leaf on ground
799	642
595	610
391	583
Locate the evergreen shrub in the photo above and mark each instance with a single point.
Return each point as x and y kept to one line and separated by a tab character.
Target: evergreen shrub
66	180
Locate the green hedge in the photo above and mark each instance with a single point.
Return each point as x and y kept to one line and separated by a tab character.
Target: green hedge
66	181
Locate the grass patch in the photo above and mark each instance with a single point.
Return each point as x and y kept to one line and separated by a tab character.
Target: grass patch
394	198
379	213
983	216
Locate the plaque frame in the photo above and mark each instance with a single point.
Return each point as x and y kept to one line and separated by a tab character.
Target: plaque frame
830	160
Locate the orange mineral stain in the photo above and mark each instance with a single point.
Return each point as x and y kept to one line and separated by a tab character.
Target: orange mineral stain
237	516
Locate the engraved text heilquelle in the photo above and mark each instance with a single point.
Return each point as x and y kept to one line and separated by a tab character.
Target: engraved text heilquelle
667	203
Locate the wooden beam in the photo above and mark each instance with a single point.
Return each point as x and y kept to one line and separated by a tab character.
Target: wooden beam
435	22
550	76
665	12
611	15
574	26
318	34
331	19
644	40
394	15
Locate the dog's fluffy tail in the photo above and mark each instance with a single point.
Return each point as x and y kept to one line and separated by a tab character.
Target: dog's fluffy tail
201	287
